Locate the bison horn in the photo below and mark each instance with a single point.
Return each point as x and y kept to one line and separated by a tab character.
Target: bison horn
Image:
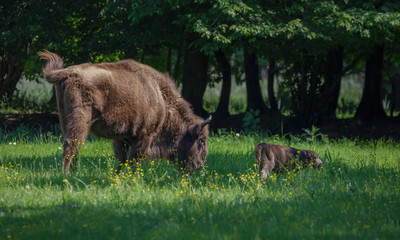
207	121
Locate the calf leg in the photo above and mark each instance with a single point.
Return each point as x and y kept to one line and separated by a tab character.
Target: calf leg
266	163
267	168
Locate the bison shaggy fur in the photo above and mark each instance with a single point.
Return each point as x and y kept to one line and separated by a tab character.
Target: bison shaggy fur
137	107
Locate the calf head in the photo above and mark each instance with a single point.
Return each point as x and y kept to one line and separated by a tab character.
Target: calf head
310	158
192	148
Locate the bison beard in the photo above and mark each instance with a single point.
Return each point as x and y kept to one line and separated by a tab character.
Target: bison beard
137	107
269	157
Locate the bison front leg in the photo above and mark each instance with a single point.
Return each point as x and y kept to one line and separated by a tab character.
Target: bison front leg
140	150
120	151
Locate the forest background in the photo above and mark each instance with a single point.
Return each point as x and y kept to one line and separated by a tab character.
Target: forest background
272	65
318	75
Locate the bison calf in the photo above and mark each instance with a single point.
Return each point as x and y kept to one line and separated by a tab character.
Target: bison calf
137	107
270	156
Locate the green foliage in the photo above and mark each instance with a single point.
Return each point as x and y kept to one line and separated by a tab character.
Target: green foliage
314	135
30	96
22	104
304	79
251	121
24	30
299	33
25	134
355	195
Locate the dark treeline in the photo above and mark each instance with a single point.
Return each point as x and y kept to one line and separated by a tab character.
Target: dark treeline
310	45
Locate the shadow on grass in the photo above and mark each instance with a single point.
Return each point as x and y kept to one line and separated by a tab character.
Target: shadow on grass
121	214
96	173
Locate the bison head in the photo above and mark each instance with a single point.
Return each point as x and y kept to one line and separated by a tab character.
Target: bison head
310	158
192	148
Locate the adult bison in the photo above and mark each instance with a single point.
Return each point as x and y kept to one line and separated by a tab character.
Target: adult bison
131	103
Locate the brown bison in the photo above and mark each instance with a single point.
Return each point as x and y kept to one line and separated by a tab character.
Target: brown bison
270	156
131	103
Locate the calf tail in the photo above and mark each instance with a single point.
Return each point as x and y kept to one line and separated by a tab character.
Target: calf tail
53	69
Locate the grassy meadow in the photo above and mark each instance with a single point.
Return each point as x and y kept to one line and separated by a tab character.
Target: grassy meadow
355	196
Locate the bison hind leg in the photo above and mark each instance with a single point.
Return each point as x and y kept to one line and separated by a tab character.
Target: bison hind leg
76	127
71	151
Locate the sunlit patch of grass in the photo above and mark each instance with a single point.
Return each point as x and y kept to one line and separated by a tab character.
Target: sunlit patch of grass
355	194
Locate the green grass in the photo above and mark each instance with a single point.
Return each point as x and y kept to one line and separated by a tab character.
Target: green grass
356	195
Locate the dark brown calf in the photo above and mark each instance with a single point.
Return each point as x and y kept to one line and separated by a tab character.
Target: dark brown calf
270	156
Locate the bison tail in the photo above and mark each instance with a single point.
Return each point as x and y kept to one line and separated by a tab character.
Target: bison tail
54	63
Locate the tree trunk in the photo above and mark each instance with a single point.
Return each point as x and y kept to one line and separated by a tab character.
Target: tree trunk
271	78
223	105
169	61
177	65
254	96
370	107
142	56
333	78
393	98
194	80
